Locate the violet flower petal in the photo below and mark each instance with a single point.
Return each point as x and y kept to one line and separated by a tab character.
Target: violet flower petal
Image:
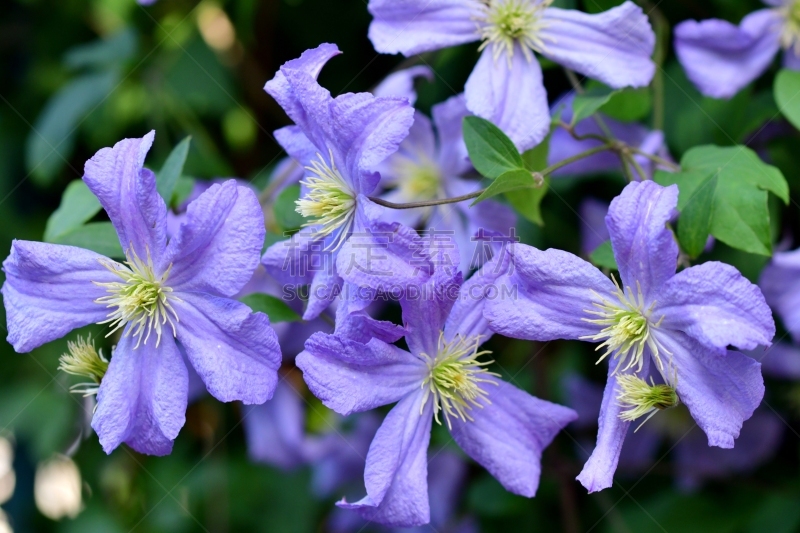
401	83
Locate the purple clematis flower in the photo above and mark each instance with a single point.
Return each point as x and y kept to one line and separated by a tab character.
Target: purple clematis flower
721	59
430	166
781	285
440	378
564	145
340	141
680	324
171	297
506	86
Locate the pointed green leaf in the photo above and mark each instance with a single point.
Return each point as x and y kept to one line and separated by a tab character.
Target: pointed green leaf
276	309
509	181
172	169
100	237
586	104
629	105
603	256
723	191
113	50
492	153
78	205
787	95
285	209
528	202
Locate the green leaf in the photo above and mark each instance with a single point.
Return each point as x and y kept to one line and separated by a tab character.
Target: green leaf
528	202
490	150
276	309
603	256
587	104
98	237
167	177
78	205
183	189
629	105
598	6
723	191
114	50
787	95
285	211
51	139
509	181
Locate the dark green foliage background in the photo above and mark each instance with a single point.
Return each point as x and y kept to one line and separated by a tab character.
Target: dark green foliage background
162	75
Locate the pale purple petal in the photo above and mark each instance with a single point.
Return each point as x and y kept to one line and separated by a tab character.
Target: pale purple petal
780	281
717	306
644	247
401	83
219	244
419	148
49	291
142	398
720	390
614	46
345	462
447	474
781	361
300	149
298	259
508	435
397	467
350	376
360	327
511	95
448	117
551	292
598	472
413	26
127	192
790	59
234	350
274	431
696	461
302	107
592	213
426	310
720	58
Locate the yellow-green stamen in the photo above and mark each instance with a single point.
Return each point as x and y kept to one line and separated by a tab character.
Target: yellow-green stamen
455	378
329	203
641	399
628	329
790	33
142	298
82	359
504	23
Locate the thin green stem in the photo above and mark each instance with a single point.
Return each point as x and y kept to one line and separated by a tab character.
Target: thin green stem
656	159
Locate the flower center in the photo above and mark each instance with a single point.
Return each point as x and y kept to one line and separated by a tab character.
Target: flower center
790	33
418	179
141	298
503	23
82	359
455	378
628	329
329	203
641	399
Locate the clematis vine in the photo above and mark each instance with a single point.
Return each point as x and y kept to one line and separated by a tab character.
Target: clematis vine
678	326
443	377
340	142
721	58
433	166
169	298
506	85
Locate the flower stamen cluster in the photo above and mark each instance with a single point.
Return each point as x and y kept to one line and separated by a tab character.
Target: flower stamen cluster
82	359
142	298
455	377
418	179
628	329
790	33
329	203
504	23
641	399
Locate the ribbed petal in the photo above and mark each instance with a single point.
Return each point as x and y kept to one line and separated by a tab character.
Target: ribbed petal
510	94
716	305
397	467
401	83
128	193
234	350
614	46
720	58
142	398
645	249
349	376
413	26
508	435
49	291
